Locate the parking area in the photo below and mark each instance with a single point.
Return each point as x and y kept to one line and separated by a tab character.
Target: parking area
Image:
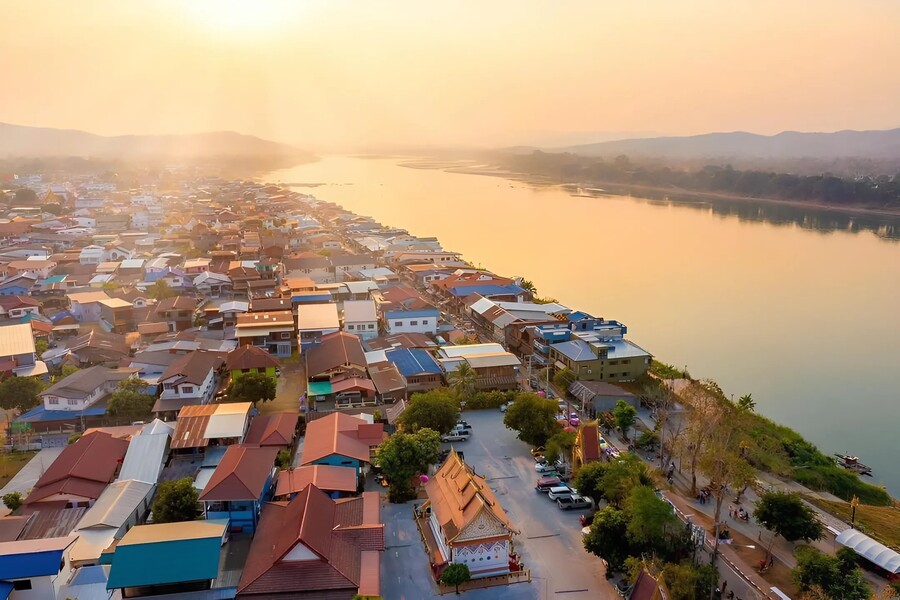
550	540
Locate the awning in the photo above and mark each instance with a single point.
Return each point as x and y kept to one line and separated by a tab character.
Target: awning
319	388
876	553
38	368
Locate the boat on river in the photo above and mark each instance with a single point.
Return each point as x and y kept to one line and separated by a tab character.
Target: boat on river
852	463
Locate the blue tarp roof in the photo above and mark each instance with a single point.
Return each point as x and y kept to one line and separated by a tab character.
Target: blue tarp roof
413	361
40	413
486	290
312	298
30	564
60	316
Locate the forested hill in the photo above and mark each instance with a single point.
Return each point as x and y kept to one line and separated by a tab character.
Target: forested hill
881	192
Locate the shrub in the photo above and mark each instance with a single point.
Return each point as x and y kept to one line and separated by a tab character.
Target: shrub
12	500
492	399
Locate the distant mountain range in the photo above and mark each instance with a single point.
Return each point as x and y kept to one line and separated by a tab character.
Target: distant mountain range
22	141
787	145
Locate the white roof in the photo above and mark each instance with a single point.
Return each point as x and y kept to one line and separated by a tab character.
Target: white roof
470	350
317	317
16	339
360	287
156	427
202	479
116	503
494	359
132	263
356	311
145	457
871	550
226	425
235	305
375	357
87	297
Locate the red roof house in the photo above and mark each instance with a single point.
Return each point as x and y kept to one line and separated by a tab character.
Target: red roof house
272	430
81	472
316	547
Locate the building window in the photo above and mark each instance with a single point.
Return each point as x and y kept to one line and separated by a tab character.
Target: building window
424	321
72	402
371	326
53	400
22	584
413	323
349	327
187	389
398	323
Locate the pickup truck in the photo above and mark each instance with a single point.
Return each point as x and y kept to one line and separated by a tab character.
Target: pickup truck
573	501
455	436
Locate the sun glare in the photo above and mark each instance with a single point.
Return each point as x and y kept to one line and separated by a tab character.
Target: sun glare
237	16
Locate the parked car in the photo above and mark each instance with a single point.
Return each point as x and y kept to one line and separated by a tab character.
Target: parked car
461	429
455	436
539	450
560	491
544	467
545	483
574	420
504	407
463	425
573	501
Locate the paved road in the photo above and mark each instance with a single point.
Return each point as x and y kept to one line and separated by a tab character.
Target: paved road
550	542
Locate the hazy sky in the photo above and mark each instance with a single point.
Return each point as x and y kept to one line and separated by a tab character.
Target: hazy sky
334	73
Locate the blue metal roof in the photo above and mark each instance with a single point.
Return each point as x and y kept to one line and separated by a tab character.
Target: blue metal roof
30	564
486	290
578	316
311	298
577	350
413	361
407	314
54	279
5	589
88	575
60	316
167	561
39	414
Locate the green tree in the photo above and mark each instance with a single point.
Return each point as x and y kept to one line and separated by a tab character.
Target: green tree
130	400
687	581
405	455
436	409
836	576
562	379
559	446
652	522
176	501
12	500
160	290
589	479
67	370
53	208
625	415
41	346
20	392
533	417
25	196
456	574
787	515
252	387
747	403
607	538
528	286
283	460
462	380
622	476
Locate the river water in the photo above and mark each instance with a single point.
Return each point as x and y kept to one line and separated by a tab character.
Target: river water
799	307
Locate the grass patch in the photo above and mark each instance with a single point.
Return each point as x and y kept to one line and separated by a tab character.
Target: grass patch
667	371
12	462
879	522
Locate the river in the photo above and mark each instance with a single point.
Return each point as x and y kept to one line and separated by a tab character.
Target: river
799	307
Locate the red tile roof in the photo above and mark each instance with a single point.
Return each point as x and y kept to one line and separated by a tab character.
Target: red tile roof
324	477
590	443
337	349
250	357
272	430
341	434
332	536
241	475
82	469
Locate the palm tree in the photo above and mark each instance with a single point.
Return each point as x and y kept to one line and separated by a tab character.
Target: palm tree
462	380
528	286
746	402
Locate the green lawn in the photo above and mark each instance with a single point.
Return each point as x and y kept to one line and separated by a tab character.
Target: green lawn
12	463
879	522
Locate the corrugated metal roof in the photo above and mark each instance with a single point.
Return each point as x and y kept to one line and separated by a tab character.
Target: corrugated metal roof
145	457
16	339
115	504
871	550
